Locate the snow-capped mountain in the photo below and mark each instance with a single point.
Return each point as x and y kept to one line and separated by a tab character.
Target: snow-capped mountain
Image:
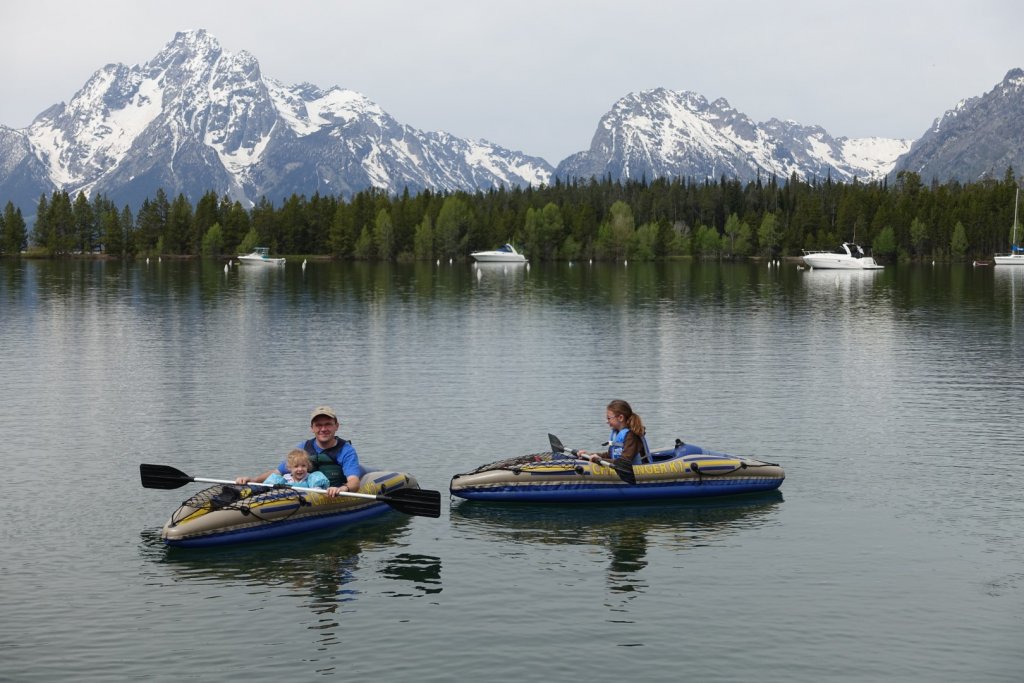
979	137
663	132
197	118
23	178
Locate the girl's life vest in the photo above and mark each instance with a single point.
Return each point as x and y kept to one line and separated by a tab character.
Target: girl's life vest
617	441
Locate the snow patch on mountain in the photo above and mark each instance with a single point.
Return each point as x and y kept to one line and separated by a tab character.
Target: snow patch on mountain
874	155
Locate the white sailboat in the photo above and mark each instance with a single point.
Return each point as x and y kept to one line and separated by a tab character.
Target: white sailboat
1016	255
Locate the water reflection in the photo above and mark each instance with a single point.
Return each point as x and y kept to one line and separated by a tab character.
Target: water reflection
1009	289
626	531
841	278
322	573
171	286
500	277
422	571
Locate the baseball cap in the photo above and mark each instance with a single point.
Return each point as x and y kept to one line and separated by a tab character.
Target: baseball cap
323	410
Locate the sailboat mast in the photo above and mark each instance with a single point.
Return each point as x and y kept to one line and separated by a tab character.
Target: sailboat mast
1016	201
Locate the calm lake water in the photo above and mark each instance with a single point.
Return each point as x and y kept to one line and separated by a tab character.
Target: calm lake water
893	552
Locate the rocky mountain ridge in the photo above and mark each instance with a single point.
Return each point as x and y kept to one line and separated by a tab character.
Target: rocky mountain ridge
197	118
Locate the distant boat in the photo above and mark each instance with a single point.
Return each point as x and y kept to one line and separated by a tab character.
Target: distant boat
848	257
260	256
505	254
1016	255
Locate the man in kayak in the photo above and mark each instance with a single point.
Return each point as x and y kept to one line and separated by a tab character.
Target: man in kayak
333	456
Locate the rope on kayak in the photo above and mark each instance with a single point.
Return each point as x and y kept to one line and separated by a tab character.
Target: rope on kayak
245	499
548	461
527	462
695	466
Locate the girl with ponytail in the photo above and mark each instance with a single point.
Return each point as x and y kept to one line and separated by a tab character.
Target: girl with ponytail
628	442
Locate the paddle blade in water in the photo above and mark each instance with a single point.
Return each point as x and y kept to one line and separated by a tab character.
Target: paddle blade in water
625	471
422	502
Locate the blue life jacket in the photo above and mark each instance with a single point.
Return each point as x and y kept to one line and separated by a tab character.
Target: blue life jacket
618	439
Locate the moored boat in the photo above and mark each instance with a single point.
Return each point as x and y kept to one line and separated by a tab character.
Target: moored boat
848	256
504	254
1016	255
260	256
685	471
229	513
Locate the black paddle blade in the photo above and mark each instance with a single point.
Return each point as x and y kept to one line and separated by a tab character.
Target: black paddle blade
422	502
162	477
625	471
556	444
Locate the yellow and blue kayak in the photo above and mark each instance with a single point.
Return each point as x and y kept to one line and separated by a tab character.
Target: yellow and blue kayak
229	513
683	472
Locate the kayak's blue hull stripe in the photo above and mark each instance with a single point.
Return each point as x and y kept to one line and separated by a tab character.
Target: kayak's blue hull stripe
593	492
284	527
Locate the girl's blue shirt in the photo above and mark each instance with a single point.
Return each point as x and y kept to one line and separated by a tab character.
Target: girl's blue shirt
313	480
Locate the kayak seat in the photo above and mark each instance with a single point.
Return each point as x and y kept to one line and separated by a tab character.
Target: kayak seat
679	450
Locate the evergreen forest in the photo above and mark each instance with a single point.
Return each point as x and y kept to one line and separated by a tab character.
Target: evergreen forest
901	220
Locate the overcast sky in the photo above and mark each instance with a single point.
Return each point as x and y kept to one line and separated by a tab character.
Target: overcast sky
536	76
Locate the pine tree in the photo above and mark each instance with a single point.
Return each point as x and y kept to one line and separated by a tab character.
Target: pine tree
85	231
61	221
13	235
179	237
111	233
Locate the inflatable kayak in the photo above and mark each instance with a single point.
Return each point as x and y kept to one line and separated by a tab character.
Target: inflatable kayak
683	472
230	513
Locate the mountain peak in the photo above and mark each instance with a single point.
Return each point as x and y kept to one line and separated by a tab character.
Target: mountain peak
194	41
979	137
667	133
197	118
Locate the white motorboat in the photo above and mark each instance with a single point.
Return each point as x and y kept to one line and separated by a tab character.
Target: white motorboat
505	254
1016	255
848	257
260	256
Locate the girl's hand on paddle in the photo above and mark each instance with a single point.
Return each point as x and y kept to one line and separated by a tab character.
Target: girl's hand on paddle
335	490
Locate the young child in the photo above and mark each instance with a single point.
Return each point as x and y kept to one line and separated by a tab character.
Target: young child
298	473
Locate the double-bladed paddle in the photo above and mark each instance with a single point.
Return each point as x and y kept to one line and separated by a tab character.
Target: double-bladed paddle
623	469
423	502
